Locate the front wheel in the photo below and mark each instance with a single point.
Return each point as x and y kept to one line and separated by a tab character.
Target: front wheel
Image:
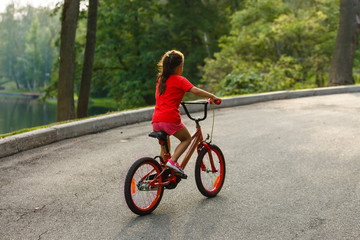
210	171
142	193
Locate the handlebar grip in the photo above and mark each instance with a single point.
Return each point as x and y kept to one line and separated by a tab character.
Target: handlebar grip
217	102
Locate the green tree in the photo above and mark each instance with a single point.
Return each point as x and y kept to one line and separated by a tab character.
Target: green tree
127	51
84	92
27	46
341	70
274	45
133	35
33	58
9	46
195	27
65	103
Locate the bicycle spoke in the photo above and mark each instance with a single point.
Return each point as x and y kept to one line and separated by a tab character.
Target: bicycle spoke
208	177
143	197
210	174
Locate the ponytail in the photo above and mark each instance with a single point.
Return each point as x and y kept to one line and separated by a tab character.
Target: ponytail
167	65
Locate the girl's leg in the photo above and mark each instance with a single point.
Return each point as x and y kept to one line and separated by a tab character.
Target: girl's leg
185	139
163	148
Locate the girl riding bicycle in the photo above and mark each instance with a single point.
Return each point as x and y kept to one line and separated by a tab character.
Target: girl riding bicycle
170	90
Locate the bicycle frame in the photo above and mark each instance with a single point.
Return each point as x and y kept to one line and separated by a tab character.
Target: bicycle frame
197	138
197	142
148	177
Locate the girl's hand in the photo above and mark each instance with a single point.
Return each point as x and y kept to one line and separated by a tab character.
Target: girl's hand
215	100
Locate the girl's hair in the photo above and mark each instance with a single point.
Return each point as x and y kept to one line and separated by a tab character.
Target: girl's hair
167	65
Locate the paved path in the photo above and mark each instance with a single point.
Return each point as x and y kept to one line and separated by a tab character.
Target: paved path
293	172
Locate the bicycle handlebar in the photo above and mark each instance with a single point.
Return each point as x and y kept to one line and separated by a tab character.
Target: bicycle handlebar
183	104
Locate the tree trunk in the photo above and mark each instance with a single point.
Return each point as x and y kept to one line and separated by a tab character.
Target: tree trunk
84	92
344	50
65	105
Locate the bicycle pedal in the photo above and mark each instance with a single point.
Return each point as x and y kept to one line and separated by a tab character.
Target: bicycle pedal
182	175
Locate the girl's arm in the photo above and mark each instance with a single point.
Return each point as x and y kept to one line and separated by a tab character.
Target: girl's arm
202	93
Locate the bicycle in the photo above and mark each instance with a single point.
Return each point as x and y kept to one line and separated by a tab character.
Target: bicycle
147	178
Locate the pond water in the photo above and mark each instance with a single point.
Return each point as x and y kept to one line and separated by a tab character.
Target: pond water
20	112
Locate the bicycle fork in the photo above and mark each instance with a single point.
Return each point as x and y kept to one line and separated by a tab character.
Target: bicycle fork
208	148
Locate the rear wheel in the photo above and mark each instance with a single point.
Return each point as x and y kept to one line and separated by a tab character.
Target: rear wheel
210	177
142	198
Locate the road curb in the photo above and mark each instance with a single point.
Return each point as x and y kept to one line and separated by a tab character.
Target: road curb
25	141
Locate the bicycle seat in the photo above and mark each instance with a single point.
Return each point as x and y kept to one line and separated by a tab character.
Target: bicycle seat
159	135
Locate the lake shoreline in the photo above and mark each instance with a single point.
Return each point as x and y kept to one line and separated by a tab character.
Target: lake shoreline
22	94
22	111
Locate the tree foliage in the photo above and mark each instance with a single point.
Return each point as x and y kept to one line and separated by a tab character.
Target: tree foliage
133	35
274	45
27	50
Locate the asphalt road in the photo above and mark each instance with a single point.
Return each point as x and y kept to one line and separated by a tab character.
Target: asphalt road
293	172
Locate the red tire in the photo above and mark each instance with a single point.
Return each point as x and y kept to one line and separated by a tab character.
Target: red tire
139	196
210	179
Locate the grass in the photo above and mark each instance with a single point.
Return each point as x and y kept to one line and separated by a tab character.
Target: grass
28	130
95	102
109	103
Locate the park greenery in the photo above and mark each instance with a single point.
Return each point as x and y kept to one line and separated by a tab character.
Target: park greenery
231	47
27	48
275	45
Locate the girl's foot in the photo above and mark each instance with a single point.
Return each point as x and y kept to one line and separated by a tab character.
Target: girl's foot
174	165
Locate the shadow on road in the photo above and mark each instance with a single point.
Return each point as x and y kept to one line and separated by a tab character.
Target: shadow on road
146	227
201	223
205	220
